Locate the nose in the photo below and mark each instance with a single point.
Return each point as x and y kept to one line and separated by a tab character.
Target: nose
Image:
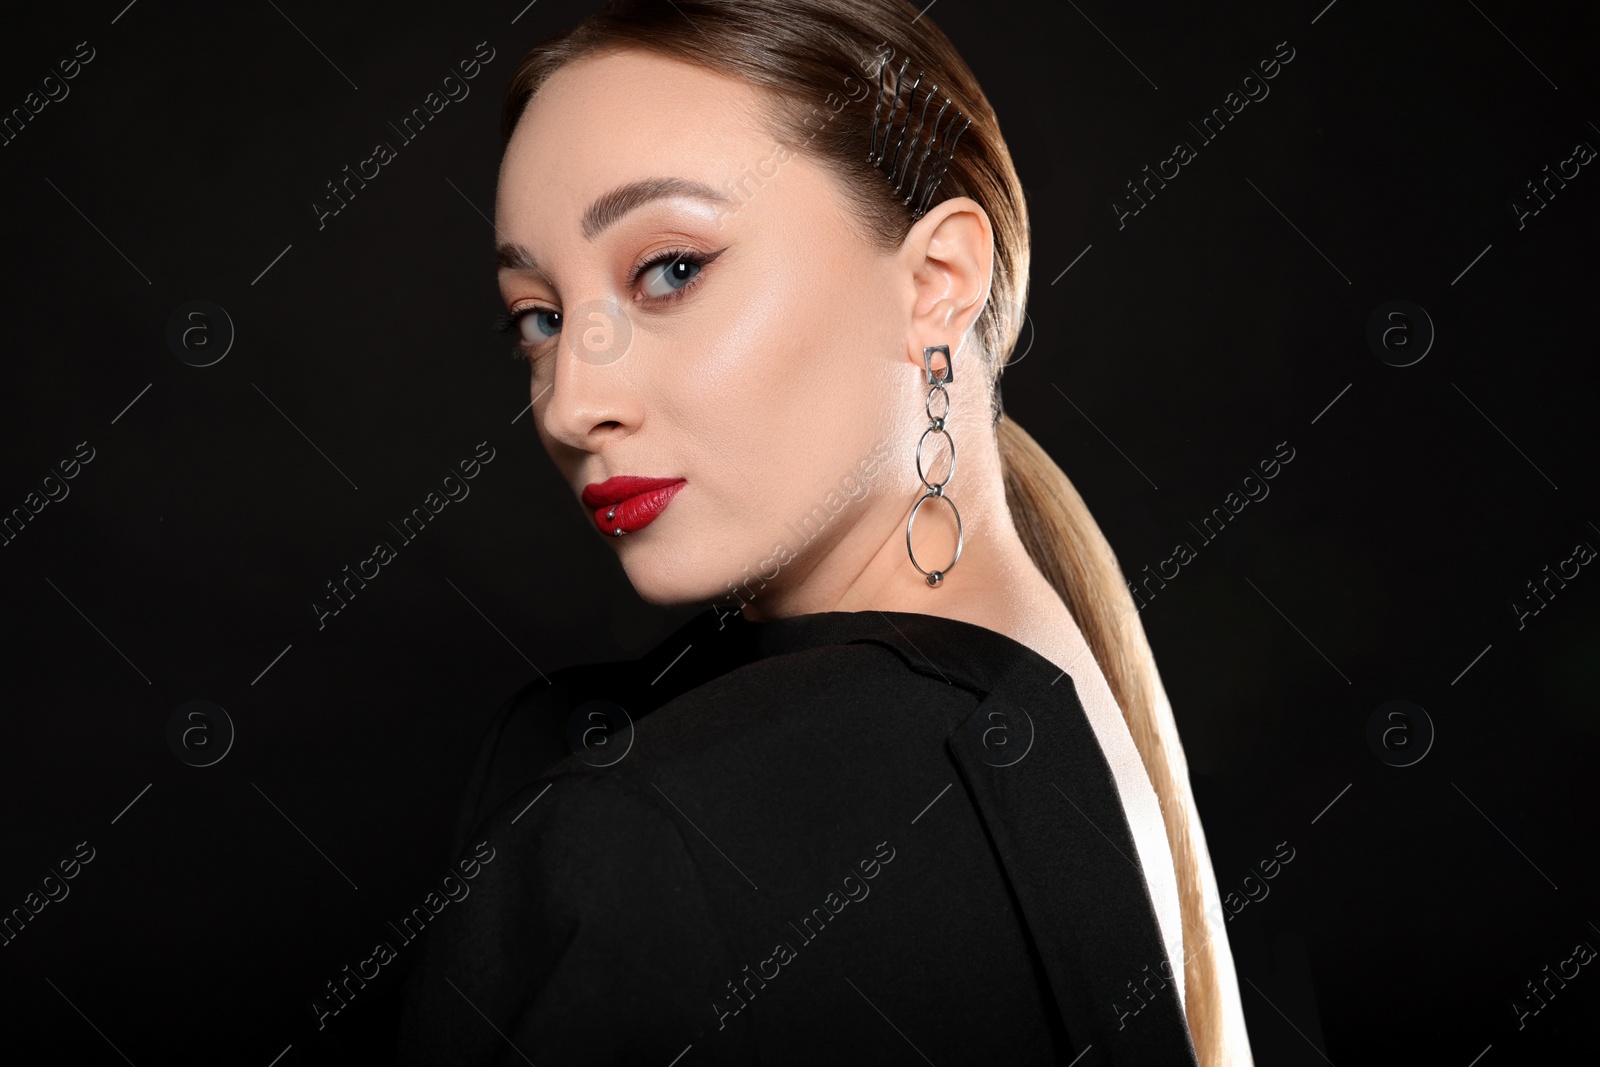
593	393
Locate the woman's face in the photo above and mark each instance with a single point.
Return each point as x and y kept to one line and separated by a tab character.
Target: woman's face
753	346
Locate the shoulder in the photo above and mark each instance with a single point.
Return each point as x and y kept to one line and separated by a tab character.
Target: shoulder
830	702
574	871
579	838
826	679
600	796
523	738
782	704
767	735
585	935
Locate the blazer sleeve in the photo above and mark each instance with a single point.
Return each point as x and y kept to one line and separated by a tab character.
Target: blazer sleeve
524	738
469	803
585	938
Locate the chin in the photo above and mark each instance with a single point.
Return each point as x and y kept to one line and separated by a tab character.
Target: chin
665	578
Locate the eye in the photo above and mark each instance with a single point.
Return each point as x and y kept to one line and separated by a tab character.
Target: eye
665	278
669	276
535	324
532	325
669	272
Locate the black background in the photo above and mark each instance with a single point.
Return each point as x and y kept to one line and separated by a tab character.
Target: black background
1229	315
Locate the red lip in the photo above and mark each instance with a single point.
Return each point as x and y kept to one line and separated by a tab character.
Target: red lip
629	503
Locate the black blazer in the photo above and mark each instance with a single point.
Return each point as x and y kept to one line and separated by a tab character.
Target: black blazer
841	837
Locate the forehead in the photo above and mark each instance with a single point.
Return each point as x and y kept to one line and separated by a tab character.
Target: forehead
601	121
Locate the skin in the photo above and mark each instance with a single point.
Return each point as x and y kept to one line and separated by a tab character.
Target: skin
786	360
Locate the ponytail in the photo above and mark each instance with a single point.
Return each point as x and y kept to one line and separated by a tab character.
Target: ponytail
1067	546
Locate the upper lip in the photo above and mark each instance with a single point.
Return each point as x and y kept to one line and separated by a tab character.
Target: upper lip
616	490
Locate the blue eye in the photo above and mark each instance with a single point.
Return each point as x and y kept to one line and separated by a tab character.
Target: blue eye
669	272
536	324
532	325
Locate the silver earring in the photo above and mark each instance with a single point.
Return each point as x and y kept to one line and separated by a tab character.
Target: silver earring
936	425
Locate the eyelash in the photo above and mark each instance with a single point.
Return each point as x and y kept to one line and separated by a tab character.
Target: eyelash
511	323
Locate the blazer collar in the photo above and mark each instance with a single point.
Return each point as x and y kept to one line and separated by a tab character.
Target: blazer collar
952	650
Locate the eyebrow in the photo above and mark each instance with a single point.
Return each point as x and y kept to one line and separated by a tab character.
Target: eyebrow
608	209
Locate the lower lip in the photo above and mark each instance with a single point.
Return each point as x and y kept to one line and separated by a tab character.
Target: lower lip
636	512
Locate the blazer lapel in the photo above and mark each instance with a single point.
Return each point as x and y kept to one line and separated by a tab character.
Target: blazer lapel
1038	779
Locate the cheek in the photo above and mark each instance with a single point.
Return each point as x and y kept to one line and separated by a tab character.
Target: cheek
754	384
753	406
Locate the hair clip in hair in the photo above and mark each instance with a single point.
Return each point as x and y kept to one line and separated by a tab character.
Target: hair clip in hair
916	185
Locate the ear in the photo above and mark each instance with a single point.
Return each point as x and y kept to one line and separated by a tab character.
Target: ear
951	254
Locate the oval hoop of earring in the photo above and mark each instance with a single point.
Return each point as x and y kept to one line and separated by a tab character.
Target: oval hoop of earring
936	424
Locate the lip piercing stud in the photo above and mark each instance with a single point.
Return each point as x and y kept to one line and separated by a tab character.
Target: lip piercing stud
611	514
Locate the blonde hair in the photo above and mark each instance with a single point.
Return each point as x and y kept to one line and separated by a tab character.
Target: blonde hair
1066	544
814	59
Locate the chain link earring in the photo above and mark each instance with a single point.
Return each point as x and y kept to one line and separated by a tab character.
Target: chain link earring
936	425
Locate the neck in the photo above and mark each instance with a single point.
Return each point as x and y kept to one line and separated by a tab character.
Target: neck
994	584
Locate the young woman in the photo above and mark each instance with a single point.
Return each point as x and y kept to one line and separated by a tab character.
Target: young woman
911	788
